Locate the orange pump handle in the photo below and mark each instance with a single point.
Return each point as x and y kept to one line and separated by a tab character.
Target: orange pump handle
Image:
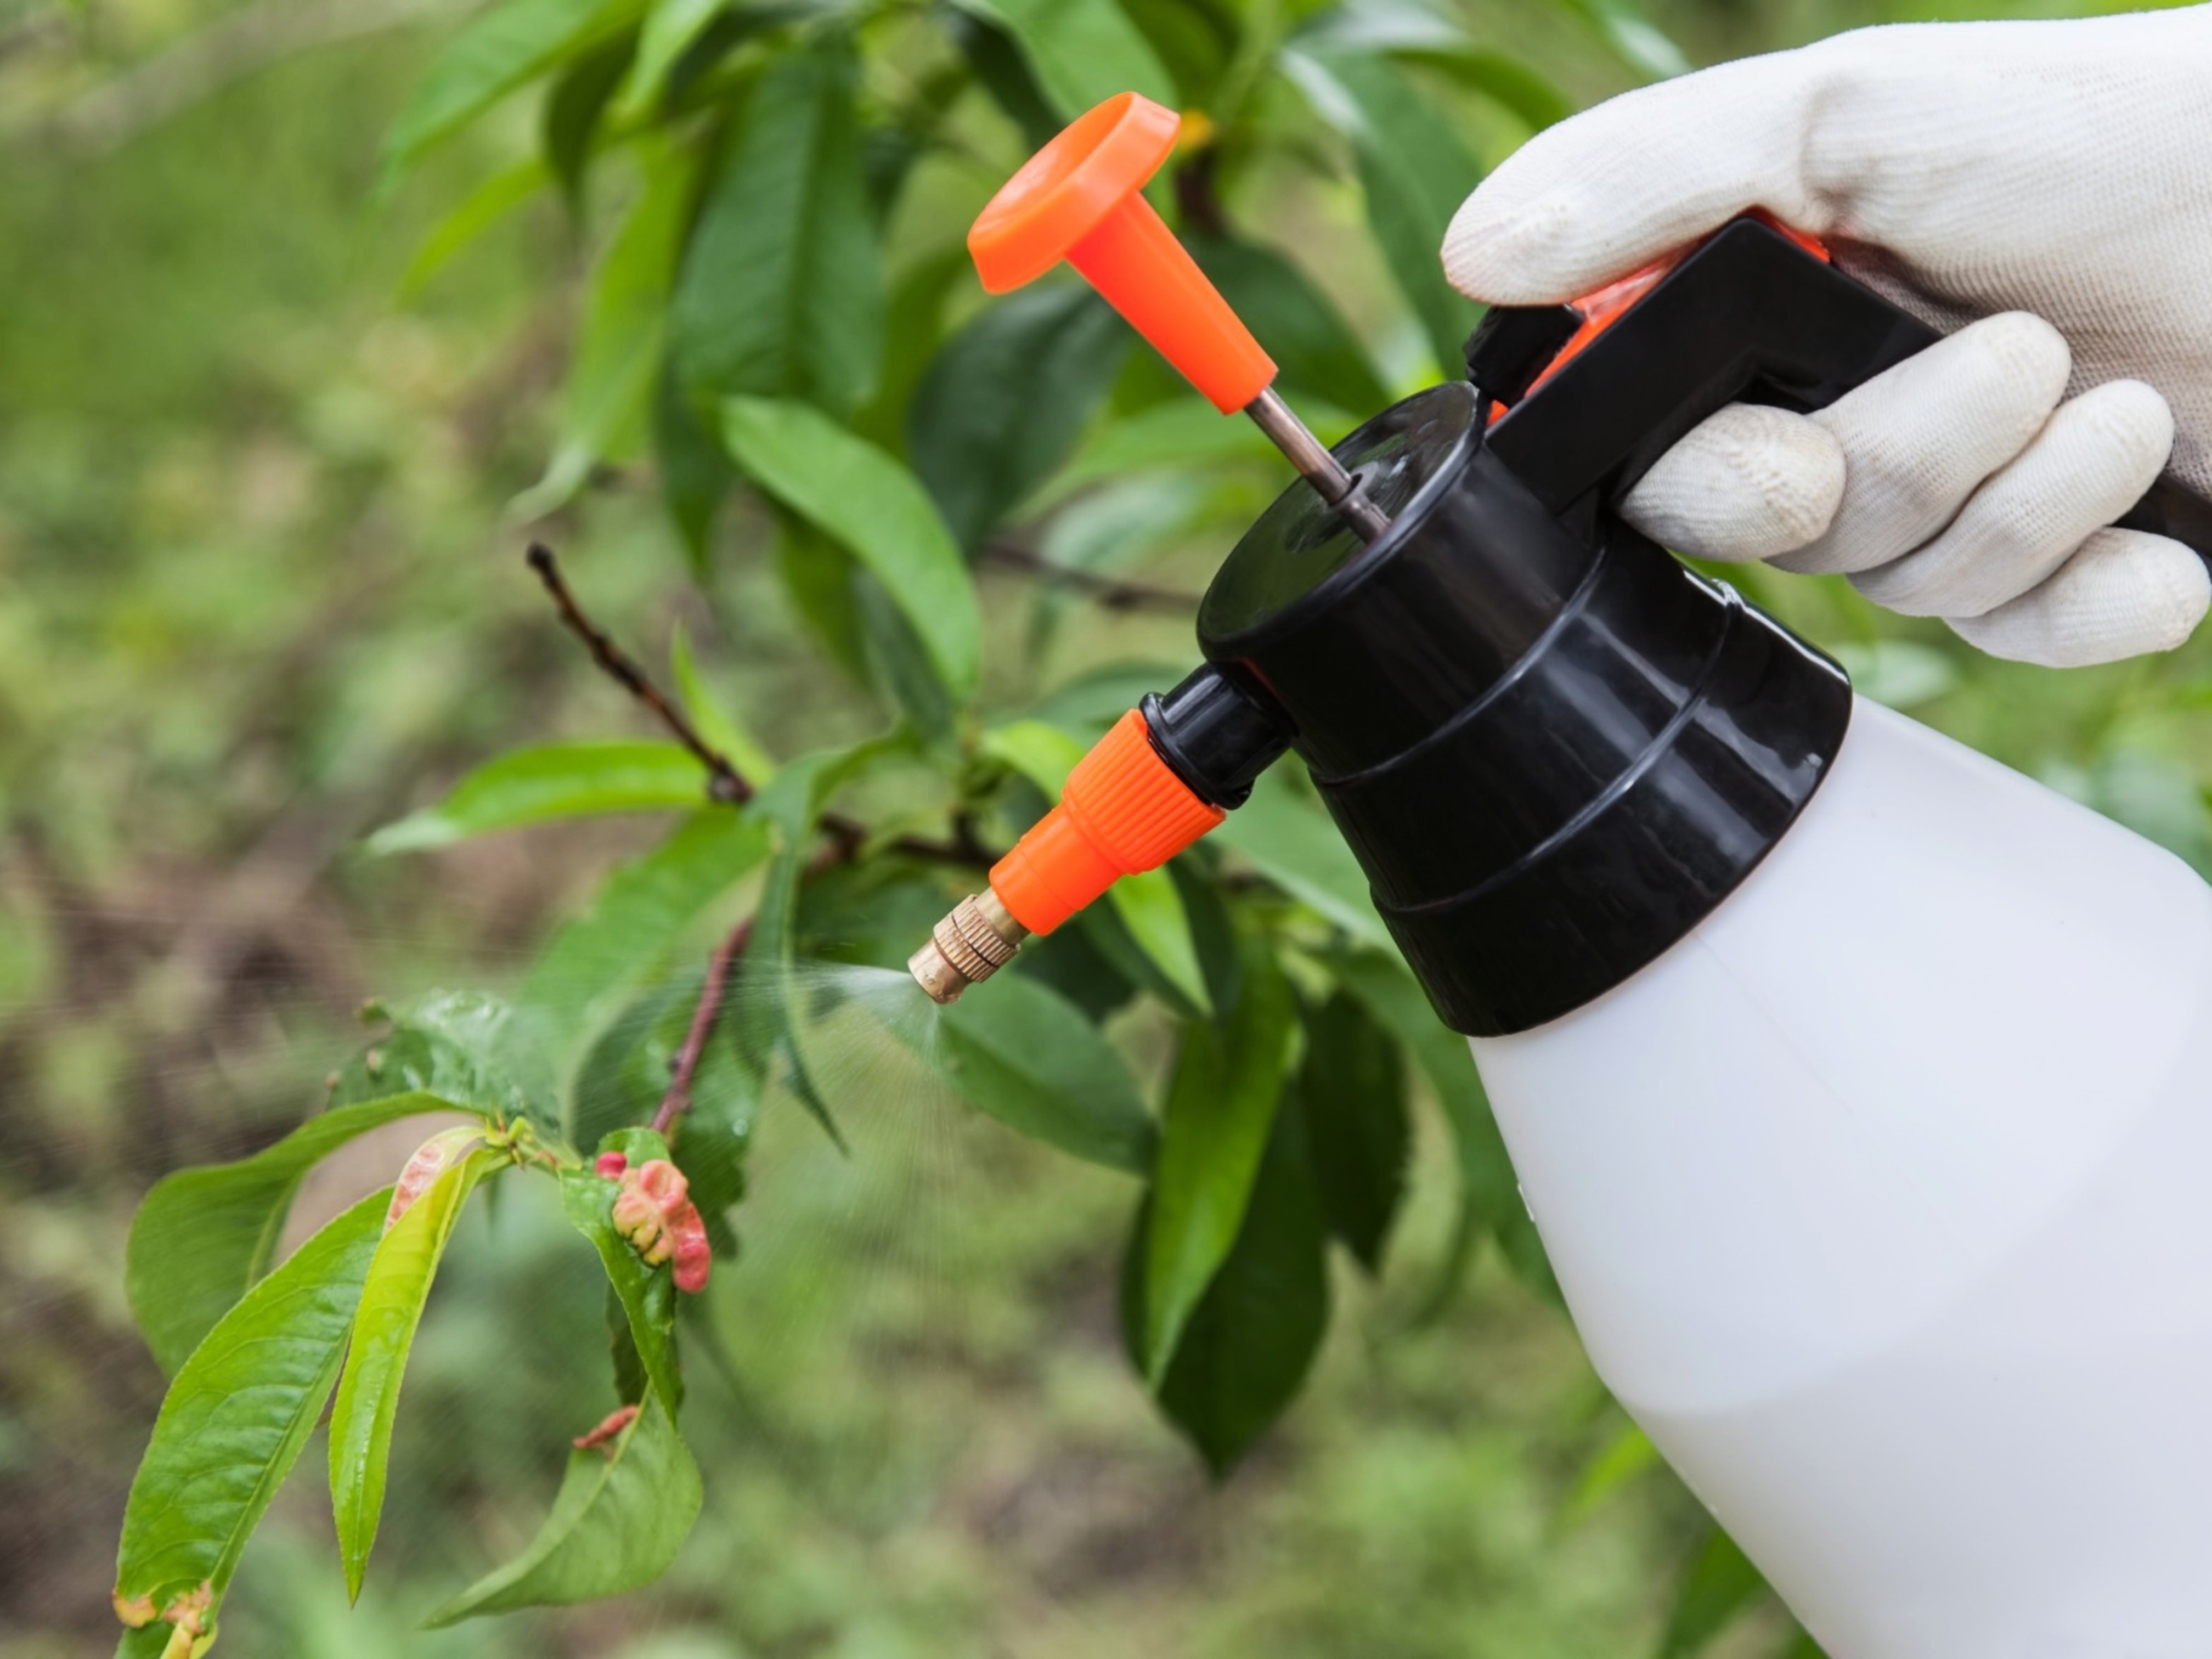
1123	811
1080	198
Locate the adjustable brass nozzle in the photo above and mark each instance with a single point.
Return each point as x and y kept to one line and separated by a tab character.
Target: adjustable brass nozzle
974	942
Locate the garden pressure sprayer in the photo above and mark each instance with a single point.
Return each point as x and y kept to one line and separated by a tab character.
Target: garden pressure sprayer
1860	1088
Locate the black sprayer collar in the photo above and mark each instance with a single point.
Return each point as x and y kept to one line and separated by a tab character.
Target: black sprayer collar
1554	750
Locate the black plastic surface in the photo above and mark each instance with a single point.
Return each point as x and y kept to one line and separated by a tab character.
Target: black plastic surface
1216	734
1748	316
1551	753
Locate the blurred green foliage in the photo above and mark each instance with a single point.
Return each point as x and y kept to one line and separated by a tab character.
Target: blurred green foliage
307	310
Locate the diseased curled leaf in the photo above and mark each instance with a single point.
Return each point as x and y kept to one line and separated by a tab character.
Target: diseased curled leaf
392	1298
1717	1586
203	1237
1248	1344
1083	52
234	1420
1004	400
863	498
609	396
1221	1103
1414	168
1352	1099
622	1511
1302	330
598	960
493	54
1019	1050
648	1294
552	781
781	291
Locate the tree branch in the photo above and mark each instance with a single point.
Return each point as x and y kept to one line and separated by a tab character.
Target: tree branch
677	1100
1105	591
723	782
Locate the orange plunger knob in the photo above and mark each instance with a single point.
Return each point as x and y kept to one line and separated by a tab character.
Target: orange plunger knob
1080	198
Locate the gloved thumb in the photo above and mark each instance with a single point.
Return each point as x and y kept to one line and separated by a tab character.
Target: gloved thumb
1595	196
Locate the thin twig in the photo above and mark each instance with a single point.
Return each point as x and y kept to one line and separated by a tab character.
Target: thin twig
1105	591
723	781
677	1100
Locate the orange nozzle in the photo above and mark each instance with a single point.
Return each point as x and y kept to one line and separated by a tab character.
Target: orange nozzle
1123	811
1080	198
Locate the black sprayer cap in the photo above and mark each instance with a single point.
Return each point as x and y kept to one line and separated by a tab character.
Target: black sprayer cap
1555	749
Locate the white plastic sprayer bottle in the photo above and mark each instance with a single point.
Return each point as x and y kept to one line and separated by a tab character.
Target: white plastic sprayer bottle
1881	1201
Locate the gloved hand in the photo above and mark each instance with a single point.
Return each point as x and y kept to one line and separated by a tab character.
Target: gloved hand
2047	185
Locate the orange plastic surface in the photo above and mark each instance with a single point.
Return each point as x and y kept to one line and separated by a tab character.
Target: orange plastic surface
1123	811
1601	308
1080	198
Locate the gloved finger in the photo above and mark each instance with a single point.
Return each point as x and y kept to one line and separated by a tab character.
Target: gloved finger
1920	438
1595	196
2090	463
2124	592
1748	483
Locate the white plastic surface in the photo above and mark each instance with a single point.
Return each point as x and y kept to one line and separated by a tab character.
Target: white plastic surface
1884	1203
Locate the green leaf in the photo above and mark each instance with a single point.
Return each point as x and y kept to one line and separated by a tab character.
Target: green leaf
573	104
694	475
1415	169
644	908
1021	1052
1184	432
203	1236
860	496
1005	400
1289	837
233	1422
1640	43
1221	1102
722	730
670	25
1505	80
464	1049
913	327
617	359
1005	74
392	1298
551	780
1302	330
1196	39
647	1293
1251	1340
1627	1455
781	293
468	219
622	1513
1719	1584
493	55
1490	1197
1084	51
1352	1097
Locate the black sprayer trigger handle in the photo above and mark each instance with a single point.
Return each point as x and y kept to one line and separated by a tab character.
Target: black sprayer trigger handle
1749	315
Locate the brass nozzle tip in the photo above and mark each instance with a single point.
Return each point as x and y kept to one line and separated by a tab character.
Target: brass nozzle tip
974	942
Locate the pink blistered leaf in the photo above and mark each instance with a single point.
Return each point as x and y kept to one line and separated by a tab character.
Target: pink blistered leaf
609	1425
693	1255
610	1165
664	1183
432	1159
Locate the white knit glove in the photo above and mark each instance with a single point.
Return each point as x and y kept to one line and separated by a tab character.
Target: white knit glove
2052	180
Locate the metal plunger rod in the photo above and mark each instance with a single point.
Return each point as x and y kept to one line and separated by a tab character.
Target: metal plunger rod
1310	456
